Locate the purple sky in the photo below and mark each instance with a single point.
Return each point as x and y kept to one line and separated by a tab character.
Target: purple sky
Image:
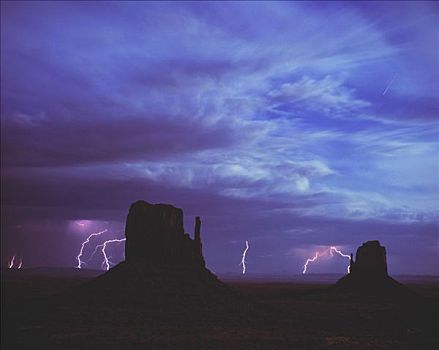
294	126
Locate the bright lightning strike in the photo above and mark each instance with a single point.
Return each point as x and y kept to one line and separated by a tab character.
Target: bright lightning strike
11	262
107	261
329	251
243	258
339	252
309	261
80	262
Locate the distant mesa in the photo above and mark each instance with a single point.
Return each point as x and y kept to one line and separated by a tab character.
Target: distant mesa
368	274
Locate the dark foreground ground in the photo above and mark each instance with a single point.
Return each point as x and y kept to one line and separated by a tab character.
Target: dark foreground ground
280	315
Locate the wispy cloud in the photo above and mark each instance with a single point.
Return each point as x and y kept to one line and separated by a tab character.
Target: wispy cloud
327	95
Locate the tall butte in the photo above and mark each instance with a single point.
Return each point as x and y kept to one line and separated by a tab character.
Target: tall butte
368	275
155	237
164	267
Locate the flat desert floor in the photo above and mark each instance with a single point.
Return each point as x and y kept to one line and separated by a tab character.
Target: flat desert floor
295	314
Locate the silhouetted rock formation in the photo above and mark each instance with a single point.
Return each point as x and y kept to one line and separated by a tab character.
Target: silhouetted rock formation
368	274
164	268
155	236
370	260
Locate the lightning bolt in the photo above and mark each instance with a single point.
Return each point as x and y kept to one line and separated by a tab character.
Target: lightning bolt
102	247
309	261
11	262
81	251
20	264
106	263
331	251
339	252
243	257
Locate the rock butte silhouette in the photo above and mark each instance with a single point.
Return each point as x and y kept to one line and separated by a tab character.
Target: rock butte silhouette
368	275
163	268
155	237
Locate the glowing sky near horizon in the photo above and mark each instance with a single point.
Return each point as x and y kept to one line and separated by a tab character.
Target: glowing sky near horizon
291	124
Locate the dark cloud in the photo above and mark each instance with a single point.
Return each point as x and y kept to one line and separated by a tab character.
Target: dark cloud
56	143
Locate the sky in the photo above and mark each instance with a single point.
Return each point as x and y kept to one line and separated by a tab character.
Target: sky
293	125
